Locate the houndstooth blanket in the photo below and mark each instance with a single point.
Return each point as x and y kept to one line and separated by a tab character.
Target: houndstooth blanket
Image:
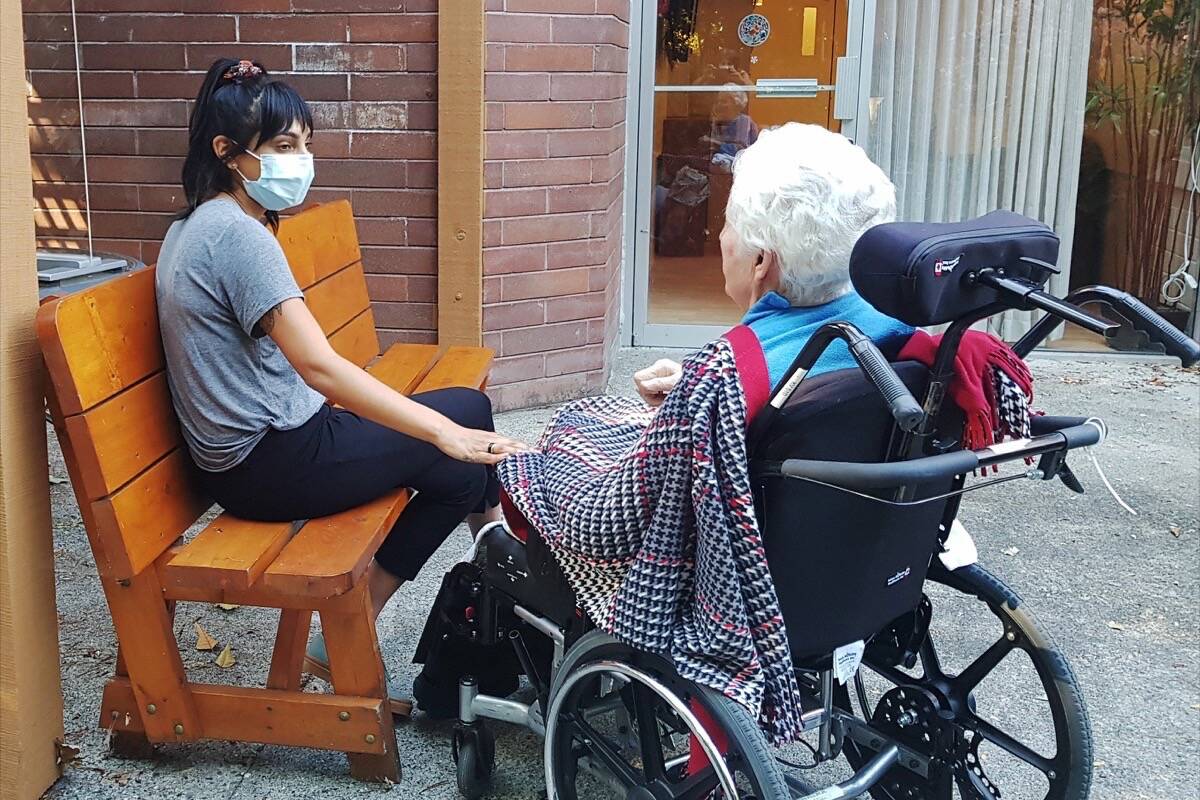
651	517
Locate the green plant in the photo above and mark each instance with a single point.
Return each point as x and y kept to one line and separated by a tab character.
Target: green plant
1146	91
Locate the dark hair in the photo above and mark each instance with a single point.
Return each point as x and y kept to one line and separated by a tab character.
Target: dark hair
240	101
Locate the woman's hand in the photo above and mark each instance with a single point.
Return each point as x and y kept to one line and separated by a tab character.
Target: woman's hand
475	446
657	380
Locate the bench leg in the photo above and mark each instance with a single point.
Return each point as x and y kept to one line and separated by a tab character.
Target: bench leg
357	669
290	642
126	744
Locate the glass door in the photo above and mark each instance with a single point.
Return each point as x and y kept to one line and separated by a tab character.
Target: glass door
713	74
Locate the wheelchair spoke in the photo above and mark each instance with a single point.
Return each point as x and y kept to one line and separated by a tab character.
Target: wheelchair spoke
1010	745
981	667
930	663
645	706
609	756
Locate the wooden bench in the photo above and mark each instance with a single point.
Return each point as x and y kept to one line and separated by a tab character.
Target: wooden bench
108	396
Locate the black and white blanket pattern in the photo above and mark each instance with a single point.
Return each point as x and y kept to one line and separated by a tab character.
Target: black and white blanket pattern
651	517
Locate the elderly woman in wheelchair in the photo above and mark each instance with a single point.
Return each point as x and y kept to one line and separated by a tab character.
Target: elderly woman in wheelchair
700	586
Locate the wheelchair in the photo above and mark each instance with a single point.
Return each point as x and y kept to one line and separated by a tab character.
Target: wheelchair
857	489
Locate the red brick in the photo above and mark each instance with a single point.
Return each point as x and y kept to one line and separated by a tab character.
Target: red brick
549	115
610	58
349	57
493	58
130	224
389	337
617	8
517	86
353	6
393	144
514	202
518	368
551	6
382	230
422	232
549	283
110	196
579	306
390	288
590	30
422	175
586	87
491	233
400	260
493	116
394	203
361	173
134	169
382	116
96	85
275	57
542	338
53	140
502	316
49	55
521	29
405	315
547	172
608	113
548	58
155	28
422	116
294	28
234	6
491	289
162	142
161	198
521	144
393	27
579	198
581	253
140	113
394	86
493	174
46	27
130	56
579	359
312	86
523	258
543	391
422	57
589	142
551	228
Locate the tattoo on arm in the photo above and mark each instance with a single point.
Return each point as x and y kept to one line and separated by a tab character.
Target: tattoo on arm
264	326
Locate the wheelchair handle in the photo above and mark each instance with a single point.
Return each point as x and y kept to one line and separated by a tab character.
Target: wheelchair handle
904	407
1140	316
942	467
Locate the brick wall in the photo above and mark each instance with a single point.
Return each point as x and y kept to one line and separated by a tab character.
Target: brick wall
368	67
555	90
554	168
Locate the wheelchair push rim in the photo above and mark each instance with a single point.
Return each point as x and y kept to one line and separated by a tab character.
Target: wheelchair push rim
647	758
951	697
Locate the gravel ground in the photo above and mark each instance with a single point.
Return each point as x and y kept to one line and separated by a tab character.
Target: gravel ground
1119	594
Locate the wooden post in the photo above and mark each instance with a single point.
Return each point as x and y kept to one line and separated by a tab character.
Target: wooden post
460	172
30	692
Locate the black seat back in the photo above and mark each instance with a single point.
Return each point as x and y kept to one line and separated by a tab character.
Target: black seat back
843	566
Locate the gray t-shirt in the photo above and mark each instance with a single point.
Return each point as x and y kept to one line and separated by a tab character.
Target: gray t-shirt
218	273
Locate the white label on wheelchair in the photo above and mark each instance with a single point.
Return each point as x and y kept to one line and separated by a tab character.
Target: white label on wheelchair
846	660
959	550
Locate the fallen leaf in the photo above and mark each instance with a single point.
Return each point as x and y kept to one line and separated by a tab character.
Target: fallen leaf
227	606
1116	626
66	753
1097	763
226	659
1175	531
204	641
1196	707
55	480
1011	551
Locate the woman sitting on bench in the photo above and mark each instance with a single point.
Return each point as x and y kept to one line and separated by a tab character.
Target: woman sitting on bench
252	376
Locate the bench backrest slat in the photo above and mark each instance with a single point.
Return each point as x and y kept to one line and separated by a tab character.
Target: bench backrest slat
103	353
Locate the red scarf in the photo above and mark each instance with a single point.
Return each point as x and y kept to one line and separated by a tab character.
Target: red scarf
973	387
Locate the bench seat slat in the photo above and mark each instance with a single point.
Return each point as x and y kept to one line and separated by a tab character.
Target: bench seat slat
403	366
459	366
230	553
329	554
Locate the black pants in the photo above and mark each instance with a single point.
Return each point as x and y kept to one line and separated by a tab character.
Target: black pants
338	460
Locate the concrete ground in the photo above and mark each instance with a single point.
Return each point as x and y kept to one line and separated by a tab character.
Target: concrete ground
1118	592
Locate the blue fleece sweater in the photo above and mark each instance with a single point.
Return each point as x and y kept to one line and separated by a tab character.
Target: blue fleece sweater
784	329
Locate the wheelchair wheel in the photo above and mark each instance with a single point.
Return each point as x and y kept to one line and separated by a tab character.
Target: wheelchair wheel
620	725
946	715
474	758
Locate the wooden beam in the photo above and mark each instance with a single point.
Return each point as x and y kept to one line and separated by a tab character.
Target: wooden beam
30	689
460	172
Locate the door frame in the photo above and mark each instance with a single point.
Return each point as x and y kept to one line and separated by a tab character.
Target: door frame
851	106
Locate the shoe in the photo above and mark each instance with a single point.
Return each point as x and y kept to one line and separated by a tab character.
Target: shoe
316	663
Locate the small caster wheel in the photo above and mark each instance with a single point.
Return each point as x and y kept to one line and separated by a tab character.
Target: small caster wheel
474	757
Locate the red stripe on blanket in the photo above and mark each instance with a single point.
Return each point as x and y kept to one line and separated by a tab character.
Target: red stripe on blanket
752	368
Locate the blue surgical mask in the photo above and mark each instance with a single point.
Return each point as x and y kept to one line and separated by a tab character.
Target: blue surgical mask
283	180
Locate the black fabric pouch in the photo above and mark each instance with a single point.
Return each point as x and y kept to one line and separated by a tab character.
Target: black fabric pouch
919	272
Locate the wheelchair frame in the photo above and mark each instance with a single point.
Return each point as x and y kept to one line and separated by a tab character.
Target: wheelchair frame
915	457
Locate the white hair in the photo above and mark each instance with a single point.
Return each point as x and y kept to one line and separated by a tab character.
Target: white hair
738	94
807	194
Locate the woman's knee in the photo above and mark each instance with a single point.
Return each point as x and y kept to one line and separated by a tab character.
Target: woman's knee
470	408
